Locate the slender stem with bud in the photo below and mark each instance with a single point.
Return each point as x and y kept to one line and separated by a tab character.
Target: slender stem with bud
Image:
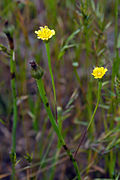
37	74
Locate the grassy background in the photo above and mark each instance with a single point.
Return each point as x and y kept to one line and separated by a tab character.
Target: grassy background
87	35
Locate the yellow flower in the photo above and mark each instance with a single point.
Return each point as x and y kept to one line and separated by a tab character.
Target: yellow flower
99	72
45	33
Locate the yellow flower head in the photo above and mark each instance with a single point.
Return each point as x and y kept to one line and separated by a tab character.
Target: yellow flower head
99	72
45	33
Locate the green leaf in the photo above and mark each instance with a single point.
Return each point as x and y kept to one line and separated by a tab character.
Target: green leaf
17	162
72	36
108	25
105	83
67	45
29	157
104	106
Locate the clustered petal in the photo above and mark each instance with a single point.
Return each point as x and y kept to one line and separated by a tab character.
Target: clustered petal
99	72
45	33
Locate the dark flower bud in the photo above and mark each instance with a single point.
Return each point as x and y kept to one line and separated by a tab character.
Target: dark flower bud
36	71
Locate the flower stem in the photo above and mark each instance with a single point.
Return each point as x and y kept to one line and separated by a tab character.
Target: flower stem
53	122
98	99
13	86
84	134
51	74
47	107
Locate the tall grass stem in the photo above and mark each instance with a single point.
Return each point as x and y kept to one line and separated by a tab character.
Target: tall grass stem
13	86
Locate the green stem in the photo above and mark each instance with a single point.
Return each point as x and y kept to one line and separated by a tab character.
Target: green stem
115	69
53	122
13	86
47	107
50	69
98	99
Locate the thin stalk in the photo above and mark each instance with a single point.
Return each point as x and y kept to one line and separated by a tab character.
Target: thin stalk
51	74
111	163
84	134
98	100
90	106
53	122
47	107
13	86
